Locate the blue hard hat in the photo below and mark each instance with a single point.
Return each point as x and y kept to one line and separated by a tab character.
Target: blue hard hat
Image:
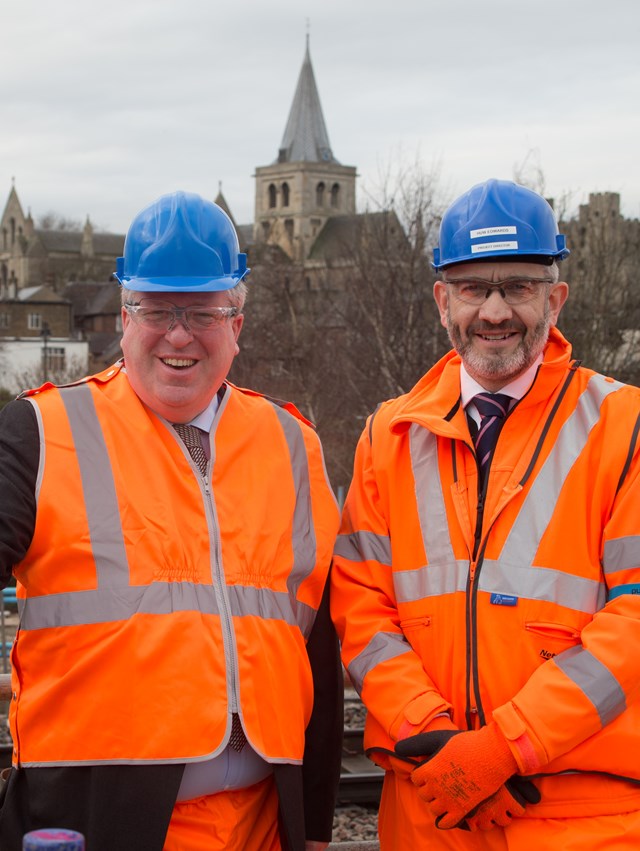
181	242
499	219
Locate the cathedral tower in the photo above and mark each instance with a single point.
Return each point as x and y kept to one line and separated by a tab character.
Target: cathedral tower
306	185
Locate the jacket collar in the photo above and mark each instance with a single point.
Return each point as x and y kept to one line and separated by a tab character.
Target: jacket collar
434	402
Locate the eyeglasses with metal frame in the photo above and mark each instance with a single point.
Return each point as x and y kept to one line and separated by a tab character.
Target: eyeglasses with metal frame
161	316
513	291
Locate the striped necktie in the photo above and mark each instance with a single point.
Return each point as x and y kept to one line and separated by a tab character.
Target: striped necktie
493	408
190	436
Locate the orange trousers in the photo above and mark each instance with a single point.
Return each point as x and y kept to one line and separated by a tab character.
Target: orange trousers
237	820
405	823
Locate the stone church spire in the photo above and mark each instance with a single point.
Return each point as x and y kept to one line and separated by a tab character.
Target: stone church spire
306	186
305	136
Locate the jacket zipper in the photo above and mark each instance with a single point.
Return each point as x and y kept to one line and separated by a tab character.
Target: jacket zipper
226	620
480	543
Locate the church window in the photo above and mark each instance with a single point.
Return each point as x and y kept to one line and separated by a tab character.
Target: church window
335	195
320	195
285	194
272	196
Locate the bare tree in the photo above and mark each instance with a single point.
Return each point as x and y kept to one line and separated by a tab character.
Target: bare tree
530	173
74	369
602	316
56	221
339	336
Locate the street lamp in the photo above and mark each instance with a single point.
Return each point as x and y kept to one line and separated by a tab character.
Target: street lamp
45	333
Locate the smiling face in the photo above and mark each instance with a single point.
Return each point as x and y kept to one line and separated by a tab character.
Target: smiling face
176	373
498	341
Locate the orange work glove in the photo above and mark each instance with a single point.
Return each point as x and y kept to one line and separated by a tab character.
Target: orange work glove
508	802
460	770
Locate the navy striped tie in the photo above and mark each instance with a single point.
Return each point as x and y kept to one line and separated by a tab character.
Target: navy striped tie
493	408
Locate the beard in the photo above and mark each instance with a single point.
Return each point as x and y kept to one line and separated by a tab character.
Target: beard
500	366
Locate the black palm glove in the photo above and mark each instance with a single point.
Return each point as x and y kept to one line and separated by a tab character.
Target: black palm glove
497	809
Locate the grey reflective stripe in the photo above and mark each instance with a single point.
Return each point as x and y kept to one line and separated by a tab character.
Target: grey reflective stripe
621	554
444	574
270	605
77	608
108	549
430	581
432	513
539	504
383	646
364	546
101	502
514	572
43	450
595	680
542	583
303	530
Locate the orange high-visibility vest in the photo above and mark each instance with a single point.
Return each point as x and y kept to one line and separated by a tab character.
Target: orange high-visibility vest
525	610
154	602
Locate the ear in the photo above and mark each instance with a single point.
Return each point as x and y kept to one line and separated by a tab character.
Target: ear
557	296
236	326
441	296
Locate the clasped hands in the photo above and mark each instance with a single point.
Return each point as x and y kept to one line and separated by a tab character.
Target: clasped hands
469	778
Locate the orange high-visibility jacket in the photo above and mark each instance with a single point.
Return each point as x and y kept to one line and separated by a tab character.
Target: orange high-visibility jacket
519	604
155	601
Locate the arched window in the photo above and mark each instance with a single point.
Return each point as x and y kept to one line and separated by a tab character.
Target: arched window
320	195
272	196
335	195
285	194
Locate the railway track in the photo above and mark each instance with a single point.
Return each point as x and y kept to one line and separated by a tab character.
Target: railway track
360	779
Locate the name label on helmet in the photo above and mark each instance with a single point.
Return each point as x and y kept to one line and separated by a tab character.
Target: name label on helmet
497	231
494	246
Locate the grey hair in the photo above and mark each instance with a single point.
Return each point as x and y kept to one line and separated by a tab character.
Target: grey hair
237	295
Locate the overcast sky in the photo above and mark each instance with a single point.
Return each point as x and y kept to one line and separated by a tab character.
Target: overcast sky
104	107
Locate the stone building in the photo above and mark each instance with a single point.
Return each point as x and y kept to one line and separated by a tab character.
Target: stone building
31	256
305	186
59	313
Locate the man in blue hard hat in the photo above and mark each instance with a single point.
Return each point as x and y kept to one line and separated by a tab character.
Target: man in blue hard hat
176	678
486	581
